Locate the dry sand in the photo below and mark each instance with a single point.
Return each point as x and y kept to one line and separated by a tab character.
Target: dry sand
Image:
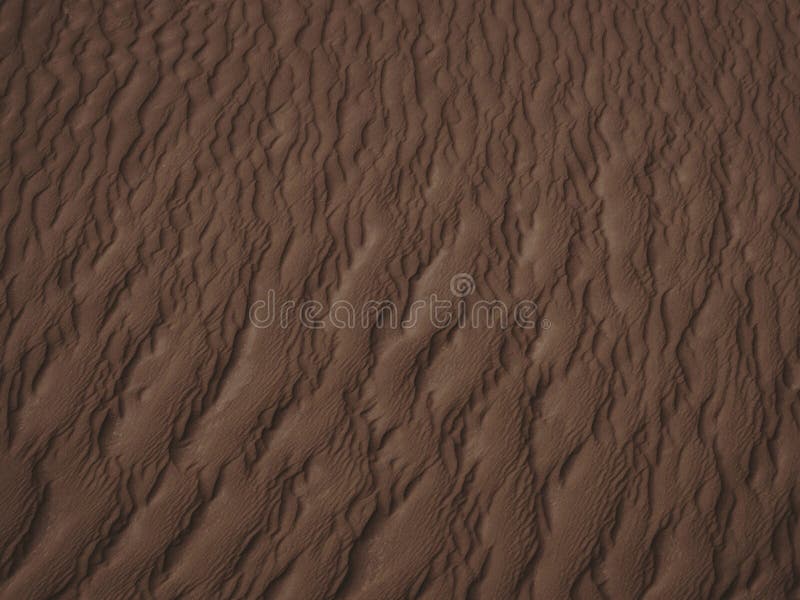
632	168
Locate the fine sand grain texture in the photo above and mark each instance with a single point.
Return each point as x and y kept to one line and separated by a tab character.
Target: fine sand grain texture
629	169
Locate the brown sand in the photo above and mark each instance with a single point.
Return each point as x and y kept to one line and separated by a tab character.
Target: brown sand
630	168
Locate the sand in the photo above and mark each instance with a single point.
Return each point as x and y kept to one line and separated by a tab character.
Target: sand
628	171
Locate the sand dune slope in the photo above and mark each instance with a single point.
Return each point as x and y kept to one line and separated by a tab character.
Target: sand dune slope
630	170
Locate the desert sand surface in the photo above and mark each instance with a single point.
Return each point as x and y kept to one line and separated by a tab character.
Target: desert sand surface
195	193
